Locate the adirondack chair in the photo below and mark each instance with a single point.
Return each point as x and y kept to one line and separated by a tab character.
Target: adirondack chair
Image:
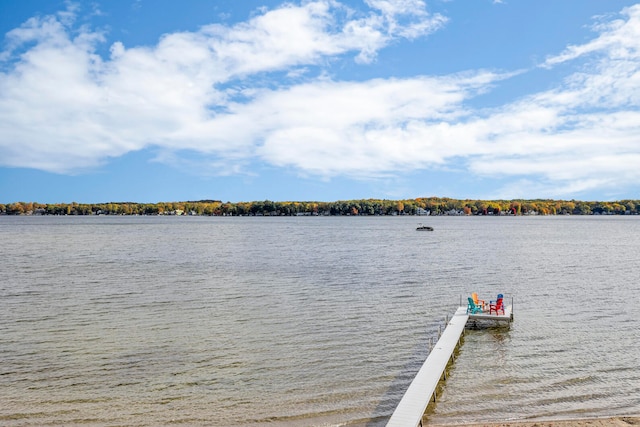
497	305
472	308
477	301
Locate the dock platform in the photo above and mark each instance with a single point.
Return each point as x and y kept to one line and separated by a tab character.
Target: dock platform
411	408
506	316
413	404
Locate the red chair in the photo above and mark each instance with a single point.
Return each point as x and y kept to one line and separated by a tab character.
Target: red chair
497	305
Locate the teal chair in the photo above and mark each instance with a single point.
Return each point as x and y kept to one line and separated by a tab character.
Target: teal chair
472	308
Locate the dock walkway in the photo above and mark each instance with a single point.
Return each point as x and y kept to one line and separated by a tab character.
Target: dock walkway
411	408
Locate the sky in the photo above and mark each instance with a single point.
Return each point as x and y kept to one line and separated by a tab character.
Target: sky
318	100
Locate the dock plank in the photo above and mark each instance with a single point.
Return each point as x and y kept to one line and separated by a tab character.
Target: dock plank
505	317
411	408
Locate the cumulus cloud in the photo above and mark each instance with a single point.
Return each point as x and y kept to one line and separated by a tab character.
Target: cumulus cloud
584	134
64	108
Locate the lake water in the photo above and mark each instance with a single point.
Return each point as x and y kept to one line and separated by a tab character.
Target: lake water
311	321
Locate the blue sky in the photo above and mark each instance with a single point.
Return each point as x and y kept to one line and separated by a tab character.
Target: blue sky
148	101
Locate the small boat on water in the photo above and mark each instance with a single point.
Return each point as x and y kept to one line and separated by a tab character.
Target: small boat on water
424	228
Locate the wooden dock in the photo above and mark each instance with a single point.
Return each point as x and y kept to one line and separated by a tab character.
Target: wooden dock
505	316
411	408
422	389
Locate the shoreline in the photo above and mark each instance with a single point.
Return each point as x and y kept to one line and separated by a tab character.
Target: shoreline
616	421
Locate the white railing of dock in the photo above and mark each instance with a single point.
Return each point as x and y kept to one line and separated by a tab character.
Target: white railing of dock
422	389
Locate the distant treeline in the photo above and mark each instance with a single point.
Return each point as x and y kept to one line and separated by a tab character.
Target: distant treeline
420	206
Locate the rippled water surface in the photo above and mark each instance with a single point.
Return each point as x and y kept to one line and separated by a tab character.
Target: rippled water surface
312	321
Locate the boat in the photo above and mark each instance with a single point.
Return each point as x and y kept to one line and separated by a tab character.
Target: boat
424	228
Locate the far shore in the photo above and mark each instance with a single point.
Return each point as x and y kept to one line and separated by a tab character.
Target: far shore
619	421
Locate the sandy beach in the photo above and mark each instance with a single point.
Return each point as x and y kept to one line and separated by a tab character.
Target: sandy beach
622	421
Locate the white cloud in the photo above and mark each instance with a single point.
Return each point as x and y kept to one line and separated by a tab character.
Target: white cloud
368	128
583	135
619	39
63	108
407	18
